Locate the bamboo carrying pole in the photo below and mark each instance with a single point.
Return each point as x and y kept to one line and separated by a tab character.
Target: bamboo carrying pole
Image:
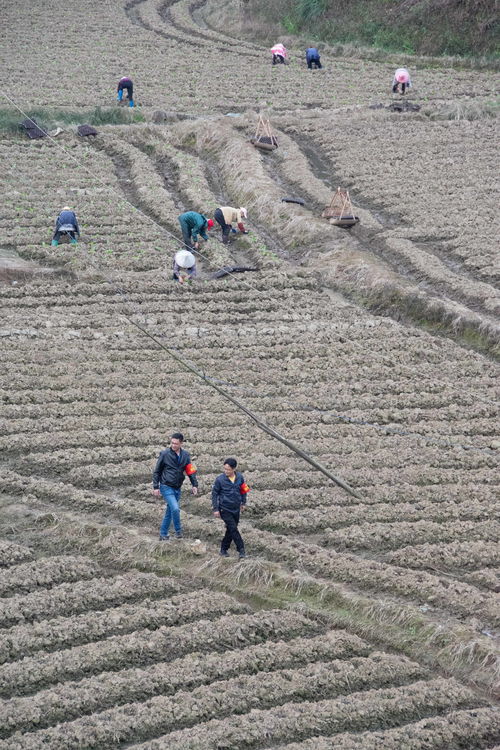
262	425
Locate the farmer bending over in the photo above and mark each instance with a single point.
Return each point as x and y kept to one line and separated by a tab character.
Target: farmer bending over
192	225
226	216
279	54
66	222
401	76
184	267
229	496
312	58
126	83
173	465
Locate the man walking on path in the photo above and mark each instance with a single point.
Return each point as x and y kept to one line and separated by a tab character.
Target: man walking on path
173	465
194	224
229	496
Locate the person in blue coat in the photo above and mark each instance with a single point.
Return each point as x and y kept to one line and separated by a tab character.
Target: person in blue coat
194	224
229	497
66	222
312	58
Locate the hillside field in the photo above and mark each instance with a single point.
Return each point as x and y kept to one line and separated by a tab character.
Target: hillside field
364	618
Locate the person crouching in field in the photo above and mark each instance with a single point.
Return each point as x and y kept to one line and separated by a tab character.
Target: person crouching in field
226	216
194	224
279	54
312	58
172	467
229	497
66	223
125	84
401	76
184	266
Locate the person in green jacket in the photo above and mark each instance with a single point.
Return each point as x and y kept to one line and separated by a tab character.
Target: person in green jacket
192	225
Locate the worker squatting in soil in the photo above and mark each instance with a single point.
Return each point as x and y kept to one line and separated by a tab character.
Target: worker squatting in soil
229	493
126	84
66	223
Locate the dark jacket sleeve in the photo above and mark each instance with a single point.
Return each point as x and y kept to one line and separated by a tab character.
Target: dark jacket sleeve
157	472
215	495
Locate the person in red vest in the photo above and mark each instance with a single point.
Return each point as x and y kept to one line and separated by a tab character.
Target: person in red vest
229	497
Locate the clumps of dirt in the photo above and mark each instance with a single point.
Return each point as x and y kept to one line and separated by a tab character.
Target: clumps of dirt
12	554
69	701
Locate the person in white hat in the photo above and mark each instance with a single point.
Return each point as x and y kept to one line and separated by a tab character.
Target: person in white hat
226	216
184	266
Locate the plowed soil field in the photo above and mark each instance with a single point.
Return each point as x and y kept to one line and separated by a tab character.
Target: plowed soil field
365	617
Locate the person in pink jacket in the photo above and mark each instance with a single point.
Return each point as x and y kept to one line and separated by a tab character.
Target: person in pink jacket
279	54
401	76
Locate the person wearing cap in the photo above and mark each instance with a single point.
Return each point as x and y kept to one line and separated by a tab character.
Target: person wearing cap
312	58
401	76
184	266
279	54
66	222
226	216
194	224
126	83
229	497
172	467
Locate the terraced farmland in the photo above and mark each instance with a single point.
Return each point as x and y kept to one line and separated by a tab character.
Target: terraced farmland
362	620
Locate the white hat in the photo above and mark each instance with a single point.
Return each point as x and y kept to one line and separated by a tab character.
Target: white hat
185	259
66	208
243	212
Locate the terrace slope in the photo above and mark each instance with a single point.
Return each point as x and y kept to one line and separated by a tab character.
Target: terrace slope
355	620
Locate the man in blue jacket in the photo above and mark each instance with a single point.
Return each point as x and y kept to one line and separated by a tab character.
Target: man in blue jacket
229	496
312	58
66	222
173	465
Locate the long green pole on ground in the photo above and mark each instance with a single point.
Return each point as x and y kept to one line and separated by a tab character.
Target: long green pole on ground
262	425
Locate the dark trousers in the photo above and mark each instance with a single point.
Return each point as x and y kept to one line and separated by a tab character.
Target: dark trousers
231	518
186	233
226	228
278	59
395	88
314	61
57	234
129	88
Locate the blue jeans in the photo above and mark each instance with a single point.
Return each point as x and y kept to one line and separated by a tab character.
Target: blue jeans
172	511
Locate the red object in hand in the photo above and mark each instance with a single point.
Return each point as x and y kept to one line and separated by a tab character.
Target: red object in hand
244	488
190	469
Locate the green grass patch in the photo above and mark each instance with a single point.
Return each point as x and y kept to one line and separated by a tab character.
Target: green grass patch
48	118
